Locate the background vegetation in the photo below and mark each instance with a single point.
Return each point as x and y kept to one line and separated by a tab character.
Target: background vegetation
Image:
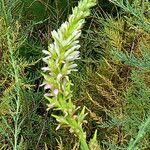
113	80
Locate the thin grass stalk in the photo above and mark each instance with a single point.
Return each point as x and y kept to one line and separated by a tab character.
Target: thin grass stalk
143	130
15	76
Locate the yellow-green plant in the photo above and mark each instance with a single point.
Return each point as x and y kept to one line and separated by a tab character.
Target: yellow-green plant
12	46
60	59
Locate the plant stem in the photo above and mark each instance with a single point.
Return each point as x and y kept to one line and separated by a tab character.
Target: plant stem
84	145
141	133
15	76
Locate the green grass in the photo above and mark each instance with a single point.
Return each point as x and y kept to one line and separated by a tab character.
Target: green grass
112	81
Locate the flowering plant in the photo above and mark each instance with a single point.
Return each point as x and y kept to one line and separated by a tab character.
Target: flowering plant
60	59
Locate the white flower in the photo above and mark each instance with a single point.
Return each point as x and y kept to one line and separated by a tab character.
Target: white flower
64	27
45	69
56	47
56	92
76	47
41	84
73	56
46	52
50	106
73	66
58	127
55	35
47	86
45	59
48	95
59	76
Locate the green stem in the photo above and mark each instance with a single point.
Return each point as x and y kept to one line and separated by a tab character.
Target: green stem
15	74
84	145
141	133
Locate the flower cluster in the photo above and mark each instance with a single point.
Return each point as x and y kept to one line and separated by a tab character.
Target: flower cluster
63	52
60	59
